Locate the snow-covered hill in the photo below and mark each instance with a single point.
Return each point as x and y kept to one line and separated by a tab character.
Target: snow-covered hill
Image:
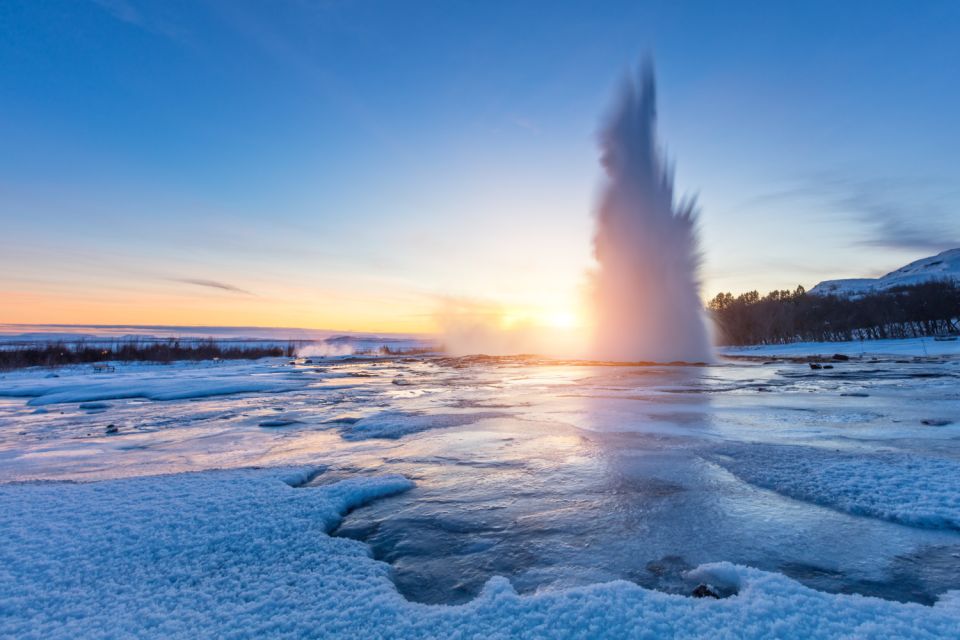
942	266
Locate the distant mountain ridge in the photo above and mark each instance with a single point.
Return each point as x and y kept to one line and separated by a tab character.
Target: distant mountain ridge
943	266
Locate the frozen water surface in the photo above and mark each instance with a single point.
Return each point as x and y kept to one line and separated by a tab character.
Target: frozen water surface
554	474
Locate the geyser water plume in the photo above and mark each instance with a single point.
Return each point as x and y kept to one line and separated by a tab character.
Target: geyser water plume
646	287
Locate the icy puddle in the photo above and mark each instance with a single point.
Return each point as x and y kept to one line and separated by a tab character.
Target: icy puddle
554	474
552	508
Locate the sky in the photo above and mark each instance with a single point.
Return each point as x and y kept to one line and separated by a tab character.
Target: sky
376	166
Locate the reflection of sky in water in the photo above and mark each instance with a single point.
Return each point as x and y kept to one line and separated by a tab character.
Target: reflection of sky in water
553	475
552	510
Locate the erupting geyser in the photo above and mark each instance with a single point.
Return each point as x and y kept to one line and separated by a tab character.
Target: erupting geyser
646	288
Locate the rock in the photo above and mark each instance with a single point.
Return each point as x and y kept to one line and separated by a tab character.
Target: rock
814	365
856	394
279	423
705	591
840	357
933	422
828	366
52	375
112	428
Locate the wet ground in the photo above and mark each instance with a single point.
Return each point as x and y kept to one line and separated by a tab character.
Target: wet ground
556	474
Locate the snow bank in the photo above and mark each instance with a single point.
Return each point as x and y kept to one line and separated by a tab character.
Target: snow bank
172	383
894	347
396	424
906	488
242	554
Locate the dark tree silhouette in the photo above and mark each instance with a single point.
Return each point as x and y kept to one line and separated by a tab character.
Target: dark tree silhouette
80	352
926	309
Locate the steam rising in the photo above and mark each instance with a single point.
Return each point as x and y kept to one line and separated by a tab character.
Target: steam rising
472	327
647	301
645	292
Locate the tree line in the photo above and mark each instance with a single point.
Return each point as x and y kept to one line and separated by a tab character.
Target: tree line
53	354
926	309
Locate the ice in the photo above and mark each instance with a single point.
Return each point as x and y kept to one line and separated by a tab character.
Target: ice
551	497
911	347
395	424
154	383
164	557
914	490
95	406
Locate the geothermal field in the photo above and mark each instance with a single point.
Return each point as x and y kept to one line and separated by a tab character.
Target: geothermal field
399	320
646	485
358	493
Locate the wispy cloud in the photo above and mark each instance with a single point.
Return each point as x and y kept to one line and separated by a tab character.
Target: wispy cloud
126	11
525	123
121	10
902	222
916	215
212	284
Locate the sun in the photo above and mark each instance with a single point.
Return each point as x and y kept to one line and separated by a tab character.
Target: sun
560	319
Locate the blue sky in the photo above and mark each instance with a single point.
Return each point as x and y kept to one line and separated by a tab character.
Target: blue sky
356	165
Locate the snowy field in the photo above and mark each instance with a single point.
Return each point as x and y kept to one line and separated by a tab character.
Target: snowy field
910	347
485	497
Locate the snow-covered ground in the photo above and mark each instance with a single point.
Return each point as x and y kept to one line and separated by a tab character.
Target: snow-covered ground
908	347
943	266
360	497
308	342
244	554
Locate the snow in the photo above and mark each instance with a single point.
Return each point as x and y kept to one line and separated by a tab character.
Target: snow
920	491
943	266
577	494
908	347
277	335
164	557
173	382
395	424
308	342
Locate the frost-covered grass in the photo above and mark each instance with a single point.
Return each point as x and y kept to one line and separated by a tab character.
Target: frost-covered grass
243	554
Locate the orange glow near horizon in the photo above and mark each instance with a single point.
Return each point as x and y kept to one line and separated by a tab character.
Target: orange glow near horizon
368	313
146	309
